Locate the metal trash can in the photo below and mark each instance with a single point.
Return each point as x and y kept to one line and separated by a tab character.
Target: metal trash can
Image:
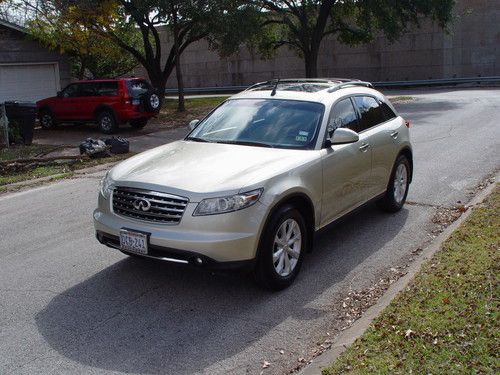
22	116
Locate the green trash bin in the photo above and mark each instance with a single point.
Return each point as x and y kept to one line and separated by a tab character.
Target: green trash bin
22	116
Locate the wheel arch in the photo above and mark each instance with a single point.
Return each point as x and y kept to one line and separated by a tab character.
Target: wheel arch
105	108
407	152
304	205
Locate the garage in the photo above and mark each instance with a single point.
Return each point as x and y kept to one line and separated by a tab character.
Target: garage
30	82
28	70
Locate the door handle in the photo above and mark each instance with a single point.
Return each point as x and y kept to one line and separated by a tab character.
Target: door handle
394	134
364	147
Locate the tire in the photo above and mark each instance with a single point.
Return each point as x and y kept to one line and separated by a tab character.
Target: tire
397	189
271	270
47	120
107	122
152	102
139	124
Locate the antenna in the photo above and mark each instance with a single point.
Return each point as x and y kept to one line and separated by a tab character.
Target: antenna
275	87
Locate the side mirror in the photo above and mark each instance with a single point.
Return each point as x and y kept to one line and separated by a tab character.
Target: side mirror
59	94
193	124
342	136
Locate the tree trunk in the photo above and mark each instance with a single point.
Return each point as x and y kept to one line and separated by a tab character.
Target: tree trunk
178	72
311	63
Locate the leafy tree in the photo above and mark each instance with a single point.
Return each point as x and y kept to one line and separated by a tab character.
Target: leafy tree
186	21
302	25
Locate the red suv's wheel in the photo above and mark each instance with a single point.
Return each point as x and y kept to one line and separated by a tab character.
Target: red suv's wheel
107	122
47	120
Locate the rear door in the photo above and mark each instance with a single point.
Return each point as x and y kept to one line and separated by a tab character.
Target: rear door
346	168
378	125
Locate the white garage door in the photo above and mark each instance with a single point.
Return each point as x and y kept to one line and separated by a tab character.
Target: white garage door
28	82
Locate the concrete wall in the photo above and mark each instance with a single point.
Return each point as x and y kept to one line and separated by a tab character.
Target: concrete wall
471	49
16	47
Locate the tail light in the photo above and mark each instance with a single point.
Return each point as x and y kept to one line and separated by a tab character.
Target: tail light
407	123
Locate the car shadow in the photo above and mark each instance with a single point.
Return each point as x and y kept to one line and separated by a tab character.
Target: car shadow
142	316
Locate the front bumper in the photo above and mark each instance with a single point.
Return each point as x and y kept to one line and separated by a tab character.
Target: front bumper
230	237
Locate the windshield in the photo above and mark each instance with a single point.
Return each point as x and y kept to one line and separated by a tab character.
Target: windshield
262	122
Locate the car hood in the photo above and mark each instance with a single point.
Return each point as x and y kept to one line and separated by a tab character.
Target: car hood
198	170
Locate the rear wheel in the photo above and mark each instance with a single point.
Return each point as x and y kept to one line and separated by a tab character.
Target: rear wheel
107	122
47	120
397	190
139	124
282	249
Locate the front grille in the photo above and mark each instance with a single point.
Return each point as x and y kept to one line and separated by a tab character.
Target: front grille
148	205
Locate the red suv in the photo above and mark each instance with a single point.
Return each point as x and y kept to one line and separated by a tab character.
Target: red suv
110	102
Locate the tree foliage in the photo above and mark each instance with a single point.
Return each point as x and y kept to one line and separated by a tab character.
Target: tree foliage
302	25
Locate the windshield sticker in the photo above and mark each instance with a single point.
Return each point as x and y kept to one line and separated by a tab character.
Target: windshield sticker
303	133
301	138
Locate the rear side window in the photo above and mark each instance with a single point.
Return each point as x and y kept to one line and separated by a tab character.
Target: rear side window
137	87
370	111
343	115
387	111
107	89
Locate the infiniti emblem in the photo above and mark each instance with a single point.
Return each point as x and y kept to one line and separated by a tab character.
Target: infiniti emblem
142	204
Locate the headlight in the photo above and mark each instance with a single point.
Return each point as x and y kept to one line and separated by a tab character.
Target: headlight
106	186
213	206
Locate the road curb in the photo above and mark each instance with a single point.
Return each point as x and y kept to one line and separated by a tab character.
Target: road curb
347	337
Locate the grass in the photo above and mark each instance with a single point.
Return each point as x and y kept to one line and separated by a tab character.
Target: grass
194	103
402	98
446	321
58	170
196	108
24	152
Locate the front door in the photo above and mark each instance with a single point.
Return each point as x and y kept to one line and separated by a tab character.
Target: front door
346	168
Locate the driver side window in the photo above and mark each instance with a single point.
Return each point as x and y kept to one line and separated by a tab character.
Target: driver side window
71	91
343	115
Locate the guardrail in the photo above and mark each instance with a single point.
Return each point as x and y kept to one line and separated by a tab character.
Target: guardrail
391	84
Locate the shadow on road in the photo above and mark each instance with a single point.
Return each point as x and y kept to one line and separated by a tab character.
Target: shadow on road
148	317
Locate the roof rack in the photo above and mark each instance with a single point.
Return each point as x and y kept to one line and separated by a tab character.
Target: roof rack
299	80
350	84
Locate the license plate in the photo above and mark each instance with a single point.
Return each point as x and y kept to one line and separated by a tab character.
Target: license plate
134	242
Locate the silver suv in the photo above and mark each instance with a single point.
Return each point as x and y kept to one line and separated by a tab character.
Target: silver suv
254	180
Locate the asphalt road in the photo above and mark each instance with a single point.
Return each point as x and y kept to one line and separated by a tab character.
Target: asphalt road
70	305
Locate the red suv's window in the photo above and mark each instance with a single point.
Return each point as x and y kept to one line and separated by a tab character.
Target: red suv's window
107	89
137	87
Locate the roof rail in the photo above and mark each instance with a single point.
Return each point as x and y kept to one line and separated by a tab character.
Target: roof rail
299	80
350	84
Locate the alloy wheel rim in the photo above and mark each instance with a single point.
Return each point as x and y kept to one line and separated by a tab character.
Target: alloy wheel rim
155	101
106	123
286	248
400	183
46	120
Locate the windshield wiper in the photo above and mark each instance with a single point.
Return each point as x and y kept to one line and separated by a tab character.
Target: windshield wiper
196	139
247	143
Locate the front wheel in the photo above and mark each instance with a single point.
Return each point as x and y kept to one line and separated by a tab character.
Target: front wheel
397	190
47	119
282	248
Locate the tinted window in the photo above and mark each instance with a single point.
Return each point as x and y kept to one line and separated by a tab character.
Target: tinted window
266	122
370	111
343	116
137	87
107	89
71	91
387	111
88	89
